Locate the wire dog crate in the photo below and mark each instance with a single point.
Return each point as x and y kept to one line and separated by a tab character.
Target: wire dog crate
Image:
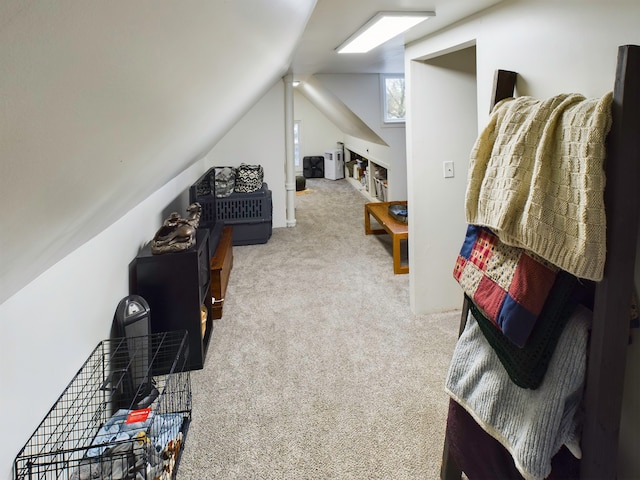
124	415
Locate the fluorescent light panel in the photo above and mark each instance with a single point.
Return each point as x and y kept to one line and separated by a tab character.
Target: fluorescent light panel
382	27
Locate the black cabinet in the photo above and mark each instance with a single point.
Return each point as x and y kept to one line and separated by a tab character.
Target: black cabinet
177	287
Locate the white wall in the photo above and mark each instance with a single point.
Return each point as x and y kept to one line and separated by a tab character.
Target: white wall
361	93
568	46
258	138
517	36
440	129
318	133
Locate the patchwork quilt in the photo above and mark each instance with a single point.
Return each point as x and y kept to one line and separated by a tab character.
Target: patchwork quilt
508	284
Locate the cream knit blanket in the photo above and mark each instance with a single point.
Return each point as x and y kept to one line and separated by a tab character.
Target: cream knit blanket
536	179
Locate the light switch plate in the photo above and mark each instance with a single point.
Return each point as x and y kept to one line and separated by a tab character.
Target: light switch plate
448	169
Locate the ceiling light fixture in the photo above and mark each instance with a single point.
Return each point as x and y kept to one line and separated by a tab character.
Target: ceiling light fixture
382	27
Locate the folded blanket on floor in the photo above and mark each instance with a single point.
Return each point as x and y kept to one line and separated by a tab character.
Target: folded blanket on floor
536	179
162	428
125	448
531	424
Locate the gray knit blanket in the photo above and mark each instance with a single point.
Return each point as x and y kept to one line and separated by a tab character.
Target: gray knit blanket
531	424
536	179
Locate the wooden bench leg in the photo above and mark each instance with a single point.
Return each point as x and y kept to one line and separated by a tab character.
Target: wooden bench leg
396	254
367	221
367	224
397	265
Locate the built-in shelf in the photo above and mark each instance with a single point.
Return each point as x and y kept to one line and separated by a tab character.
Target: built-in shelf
368	176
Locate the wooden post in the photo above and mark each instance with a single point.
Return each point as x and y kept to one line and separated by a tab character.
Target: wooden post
609	335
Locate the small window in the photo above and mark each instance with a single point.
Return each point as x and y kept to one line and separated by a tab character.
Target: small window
393	98
296	145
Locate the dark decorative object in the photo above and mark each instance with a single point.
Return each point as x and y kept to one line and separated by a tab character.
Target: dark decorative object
177	233
398	212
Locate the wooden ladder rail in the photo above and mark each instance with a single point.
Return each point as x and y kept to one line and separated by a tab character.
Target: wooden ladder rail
504	84
610	328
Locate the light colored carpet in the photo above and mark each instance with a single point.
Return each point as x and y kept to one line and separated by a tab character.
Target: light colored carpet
318	369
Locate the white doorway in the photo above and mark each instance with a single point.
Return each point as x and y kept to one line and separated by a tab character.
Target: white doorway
442	127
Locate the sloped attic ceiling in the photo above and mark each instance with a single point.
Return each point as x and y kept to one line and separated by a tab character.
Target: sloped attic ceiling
103	102
335	110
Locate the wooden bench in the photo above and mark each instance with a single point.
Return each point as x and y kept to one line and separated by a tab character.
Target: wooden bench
397	230
220	266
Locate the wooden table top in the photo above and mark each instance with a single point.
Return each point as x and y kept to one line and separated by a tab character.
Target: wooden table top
380	211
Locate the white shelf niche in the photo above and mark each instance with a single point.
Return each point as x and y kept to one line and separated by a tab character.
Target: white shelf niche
371	181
